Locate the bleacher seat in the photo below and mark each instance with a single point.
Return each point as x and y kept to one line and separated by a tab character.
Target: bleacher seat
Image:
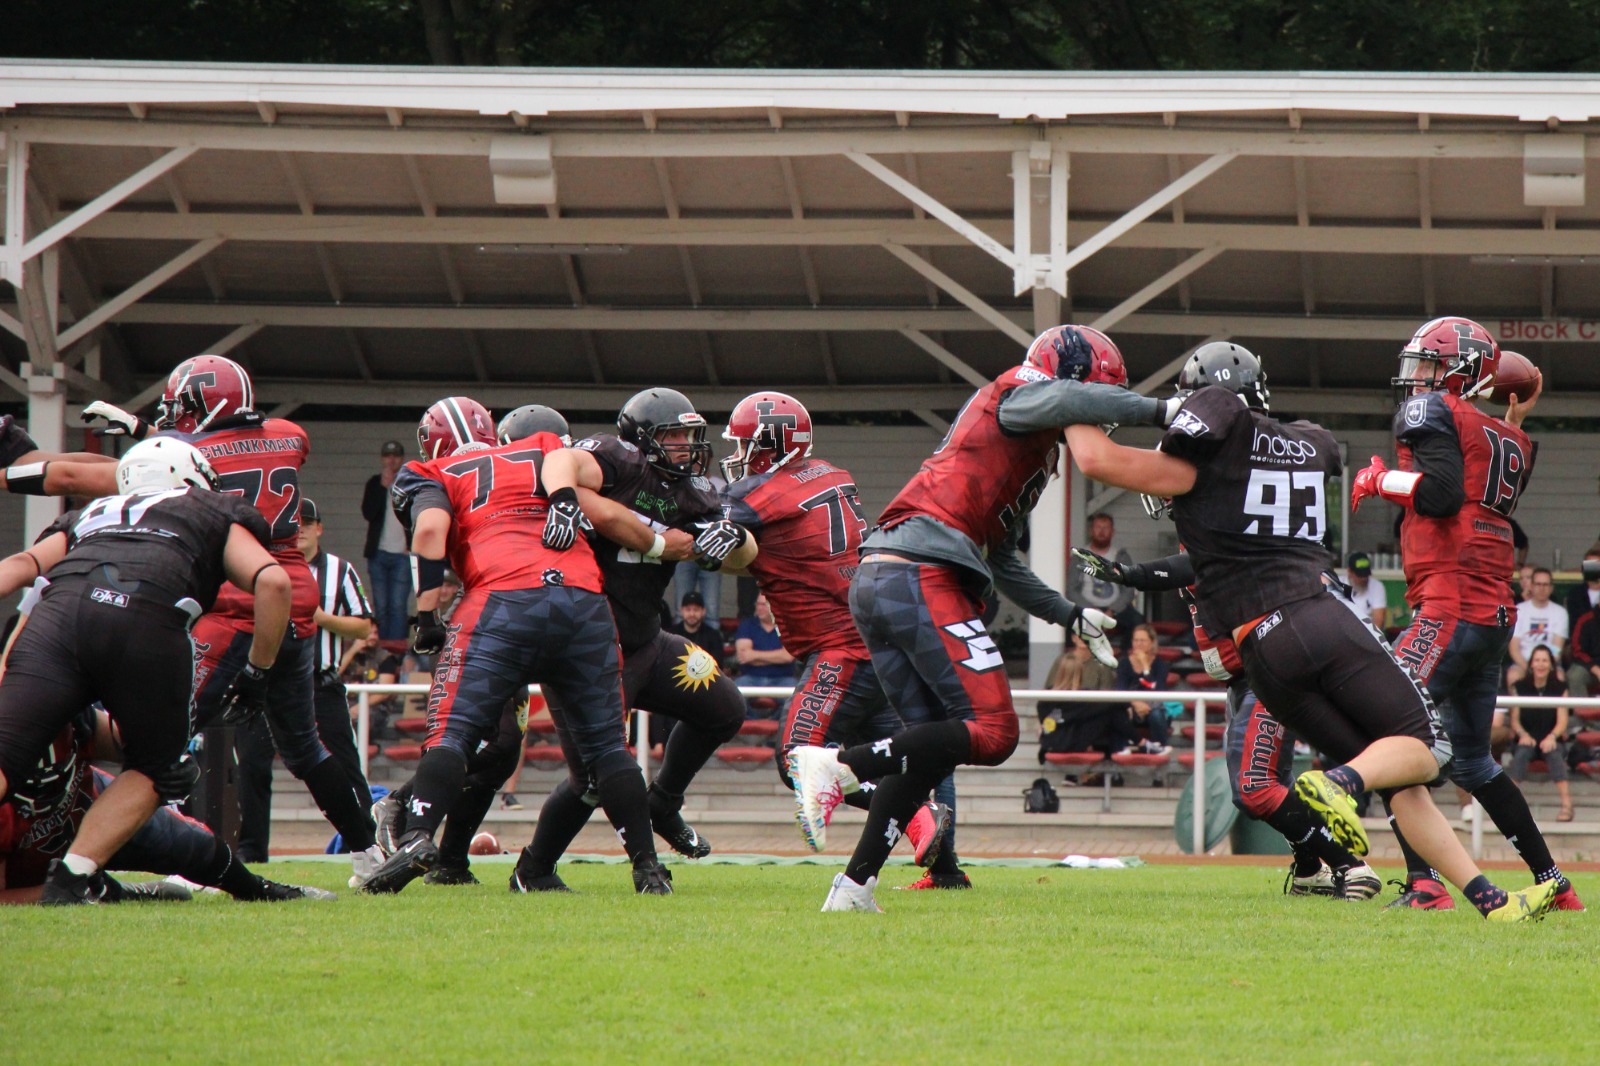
404	752
1074	758
759	727
546	755
1171	655
1213	732
1589	714
411	727
1202	680
745	757
1186	758
1138	758
1590	737
545	727
1172	628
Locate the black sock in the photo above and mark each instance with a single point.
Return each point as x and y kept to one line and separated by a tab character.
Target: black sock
466	816
625	800
561	819
1347	779
434	788
1507	807
331	788
1306	861
1308	838
933	745
226	872
897	798
1482	894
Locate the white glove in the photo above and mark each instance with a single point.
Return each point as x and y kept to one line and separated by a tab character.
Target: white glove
1092	625
119	423
1212	660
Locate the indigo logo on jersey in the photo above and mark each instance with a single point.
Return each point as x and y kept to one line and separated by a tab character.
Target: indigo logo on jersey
109	598
982	655
1271	445
1190	423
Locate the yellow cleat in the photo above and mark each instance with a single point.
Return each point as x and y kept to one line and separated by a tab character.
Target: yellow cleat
1526	905
1336	808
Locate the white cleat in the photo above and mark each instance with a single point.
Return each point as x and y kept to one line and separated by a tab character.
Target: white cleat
820	783
846	895
1357	883
364	863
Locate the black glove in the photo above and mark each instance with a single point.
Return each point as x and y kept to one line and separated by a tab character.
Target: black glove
717	540
246	697
565	521
1099	567
430	634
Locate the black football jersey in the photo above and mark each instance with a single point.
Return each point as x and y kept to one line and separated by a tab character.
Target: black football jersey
1254	522
158	546
634	584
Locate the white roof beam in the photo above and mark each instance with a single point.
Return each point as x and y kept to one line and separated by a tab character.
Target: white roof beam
591	355
962	294
16	220
1109	319
1149	207
308	208
12	325
105	201
137	291
830	368
945	357
358	352
938	210
910	163
480	365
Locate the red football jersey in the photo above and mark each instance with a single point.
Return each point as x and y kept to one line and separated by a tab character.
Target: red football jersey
497	506
1461	566
807	518
980	480
261	462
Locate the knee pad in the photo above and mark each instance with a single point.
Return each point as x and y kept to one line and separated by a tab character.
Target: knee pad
176	780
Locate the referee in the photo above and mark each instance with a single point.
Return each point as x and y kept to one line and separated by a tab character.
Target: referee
343	613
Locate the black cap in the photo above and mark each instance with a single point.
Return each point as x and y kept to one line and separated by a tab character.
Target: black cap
450	576
692	599
391	447
308	510
1359	563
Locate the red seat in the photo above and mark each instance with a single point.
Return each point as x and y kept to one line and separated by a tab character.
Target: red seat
546	753
1171	629
1213	732
1138	758
411	727
543	726
1201	679
758	727
1171	655
372	749
1074	758
536	704
404	752
1186	758
1590	737
763	703
735	755
1589	714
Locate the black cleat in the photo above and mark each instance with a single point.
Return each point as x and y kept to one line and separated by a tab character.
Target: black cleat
63	888
669	825
523	883
414	857
274	892
449	874
652	879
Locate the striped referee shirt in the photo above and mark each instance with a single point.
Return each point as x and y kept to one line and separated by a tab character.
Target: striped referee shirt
339	592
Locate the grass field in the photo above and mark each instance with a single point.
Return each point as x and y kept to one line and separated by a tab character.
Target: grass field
1148	965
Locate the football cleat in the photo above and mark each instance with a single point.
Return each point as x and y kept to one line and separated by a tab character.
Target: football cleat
363	864
1317	884
1525	905
523	883
1566	898
63	888
411	860
389	822
652	879
450	875
1336	808
933	880
820	783
1356	883
846	895
670	826
926	832
1423	894
275	892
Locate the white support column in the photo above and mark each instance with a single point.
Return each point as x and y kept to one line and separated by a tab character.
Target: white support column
16	208
1047	531
47	422
1022	220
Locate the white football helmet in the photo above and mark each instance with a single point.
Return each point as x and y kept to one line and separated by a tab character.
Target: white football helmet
164	463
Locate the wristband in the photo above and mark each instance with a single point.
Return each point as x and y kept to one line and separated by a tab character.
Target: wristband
657	548
253	672
27	479
426	574
568	495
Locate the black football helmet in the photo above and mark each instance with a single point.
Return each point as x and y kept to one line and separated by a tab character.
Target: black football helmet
533	418
1230	366
651	414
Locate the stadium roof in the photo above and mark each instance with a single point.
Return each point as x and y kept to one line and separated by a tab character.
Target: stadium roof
868	241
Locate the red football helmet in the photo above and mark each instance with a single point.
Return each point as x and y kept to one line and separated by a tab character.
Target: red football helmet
452	424
202	390
768	429
1077	353
1464	350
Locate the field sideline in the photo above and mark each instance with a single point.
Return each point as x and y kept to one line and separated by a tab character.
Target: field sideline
1151	964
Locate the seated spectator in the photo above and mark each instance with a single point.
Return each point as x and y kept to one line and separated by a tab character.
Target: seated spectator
1368	598
695	627
1071	726
368	662
1585	597
1584	647
1540	622
1541	731
759	648
1142	668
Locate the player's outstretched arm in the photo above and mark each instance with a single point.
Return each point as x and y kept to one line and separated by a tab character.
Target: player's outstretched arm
252	568
19	571
58	475
1160	575
1139	469
1053	404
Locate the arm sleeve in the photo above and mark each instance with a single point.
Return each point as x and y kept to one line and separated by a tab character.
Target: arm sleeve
612	454
1020	585
414	491
1160	575
736	505
1425	425
1054	404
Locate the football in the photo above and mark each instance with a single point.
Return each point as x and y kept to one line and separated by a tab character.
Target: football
1516	376
484	844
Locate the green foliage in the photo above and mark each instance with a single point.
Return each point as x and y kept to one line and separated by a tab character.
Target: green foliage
1360	35
1156	964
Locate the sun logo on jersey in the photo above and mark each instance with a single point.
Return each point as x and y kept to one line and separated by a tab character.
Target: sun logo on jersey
696	669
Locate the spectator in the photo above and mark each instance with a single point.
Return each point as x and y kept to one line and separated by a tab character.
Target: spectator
1539	622
759	648
688	577
1583	673
1586	597
1088	591
1072	726
1541	731
695	626
388	545
368	662
1368	597
1142	668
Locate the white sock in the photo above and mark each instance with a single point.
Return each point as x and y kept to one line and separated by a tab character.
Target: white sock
79	865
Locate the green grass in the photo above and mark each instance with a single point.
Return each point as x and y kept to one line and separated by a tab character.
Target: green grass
1148	965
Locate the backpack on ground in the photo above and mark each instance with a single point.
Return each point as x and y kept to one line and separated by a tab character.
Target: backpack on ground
1040	798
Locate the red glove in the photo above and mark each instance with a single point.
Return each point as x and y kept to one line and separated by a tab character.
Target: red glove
1396	486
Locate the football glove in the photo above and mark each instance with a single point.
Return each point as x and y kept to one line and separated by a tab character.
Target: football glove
246	697
719	539
1092	624
429	639
119	423
1396	486
1098	566
565	521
